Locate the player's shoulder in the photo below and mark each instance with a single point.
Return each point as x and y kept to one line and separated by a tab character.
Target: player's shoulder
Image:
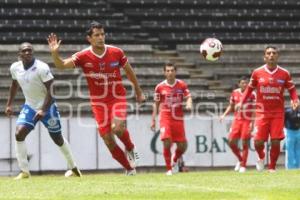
112	48
16	65
283	70
161	84
41	65
259	69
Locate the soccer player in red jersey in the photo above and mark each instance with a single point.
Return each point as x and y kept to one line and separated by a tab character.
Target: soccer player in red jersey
101	65
270	80
241	126
169	96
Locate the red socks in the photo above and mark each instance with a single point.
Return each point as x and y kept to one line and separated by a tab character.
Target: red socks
260	150
167	156
178	154
245	154
125	138
119	155
236	151
274	154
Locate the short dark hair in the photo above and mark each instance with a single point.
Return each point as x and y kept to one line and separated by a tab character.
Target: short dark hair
270	47
243	78
169	64
93	25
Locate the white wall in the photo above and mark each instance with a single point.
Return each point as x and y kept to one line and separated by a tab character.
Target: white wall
205	135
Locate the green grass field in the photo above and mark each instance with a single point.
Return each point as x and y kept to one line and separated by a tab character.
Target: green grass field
207	185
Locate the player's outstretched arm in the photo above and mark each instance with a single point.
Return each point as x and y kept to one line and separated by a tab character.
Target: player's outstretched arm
12	93
140	97
54	45
230	108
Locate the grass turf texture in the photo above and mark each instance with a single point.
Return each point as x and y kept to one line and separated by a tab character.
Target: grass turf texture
229	185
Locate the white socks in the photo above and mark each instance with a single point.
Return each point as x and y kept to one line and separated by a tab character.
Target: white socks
21	153
65	149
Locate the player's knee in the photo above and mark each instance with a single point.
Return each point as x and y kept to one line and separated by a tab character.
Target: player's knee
118	129
20	135
57	139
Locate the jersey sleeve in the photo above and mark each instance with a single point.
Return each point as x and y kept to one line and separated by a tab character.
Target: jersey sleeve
45	73
231	99
289	84
76	58
186	91
12	72
156	96
253	80
122	58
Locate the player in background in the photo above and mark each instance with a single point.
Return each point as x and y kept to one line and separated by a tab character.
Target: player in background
35	79
169	96
292	133
241	126
102	66
270	80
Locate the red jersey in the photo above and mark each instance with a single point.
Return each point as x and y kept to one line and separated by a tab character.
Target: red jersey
102	72
270	86
171	99
246	112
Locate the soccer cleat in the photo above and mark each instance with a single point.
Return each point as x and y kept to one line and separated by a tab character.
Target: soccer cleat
73	172
133	157
22	175
169	173
237	166
242	170
130	172
260	165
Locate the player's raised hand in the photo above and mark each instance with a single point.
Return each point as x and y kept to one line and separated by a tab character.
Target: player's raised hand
9	111
53	42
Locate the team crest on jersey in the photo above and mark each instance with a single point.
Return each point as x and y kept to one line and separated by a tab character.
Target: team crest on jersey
271	80
88	65
114	64
52	122
33	69
102	65
261	80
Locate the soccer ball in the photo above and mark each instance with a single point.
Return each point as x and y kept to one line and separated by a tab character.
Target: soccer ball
211	49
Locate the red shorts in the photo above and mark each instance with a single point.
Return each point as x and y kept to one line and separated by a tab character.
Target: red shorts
269	126
104	114
240	129
173	130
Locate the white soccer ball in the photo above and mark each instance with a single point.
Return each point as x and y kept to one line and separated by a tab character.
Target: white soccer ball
211	49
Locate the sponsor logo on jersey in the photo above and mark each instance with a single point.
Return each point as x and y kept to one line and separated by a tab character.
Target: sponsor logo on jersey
261	80
114	64
179	91
280	81
270	90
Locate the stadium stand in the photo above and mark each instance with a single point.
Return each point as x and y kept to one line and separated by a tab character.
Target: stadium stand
148	28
